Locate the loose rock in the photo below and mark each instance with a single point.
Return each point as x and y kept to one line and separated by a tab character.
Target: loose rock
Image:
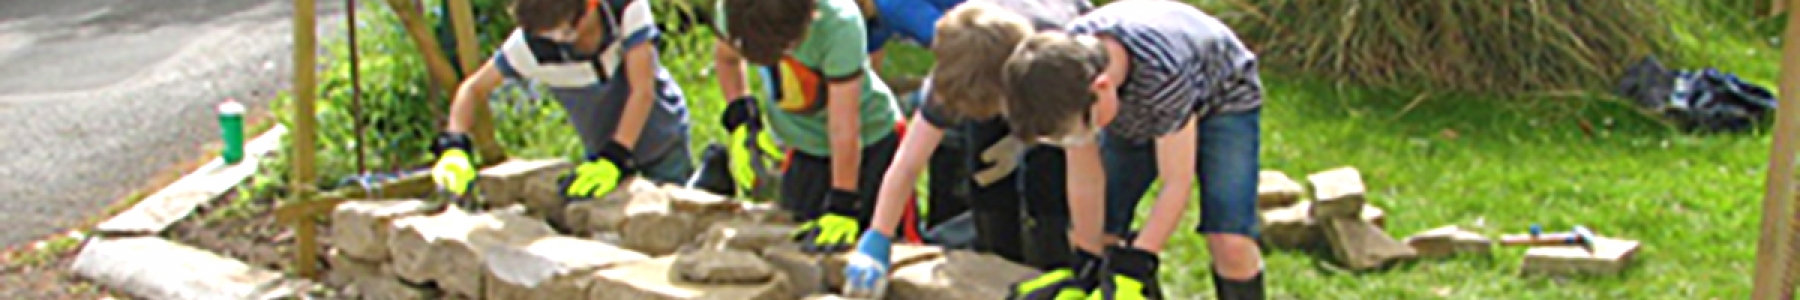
698	202
1359	245
1337	193
1275	189
609	212
1610	256
1448	241
958	275
359	228
520	181
655	228
441	248
547	267
654	280
721	266
746	235
1291	227
805	273
345	270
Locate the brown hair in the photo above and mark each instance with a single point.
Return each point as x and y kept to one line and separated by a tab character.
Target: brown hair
536	15
762	30
972	43
1048	83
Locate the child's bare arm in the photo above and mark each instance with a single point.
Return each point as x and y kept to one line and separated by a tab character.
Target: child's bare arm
640	73
473	91
845	130
1175	165
729	67
922	139
1087	187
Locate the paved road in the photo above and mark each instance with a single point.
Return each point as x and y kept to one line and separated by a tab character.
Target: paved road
98	96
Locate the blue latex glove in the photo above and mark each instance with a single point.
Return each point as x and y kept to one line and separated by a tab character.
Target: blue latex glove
866	273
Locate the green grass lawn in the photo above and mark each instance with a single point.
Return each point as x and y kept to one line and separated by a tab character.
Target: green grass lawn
1493	165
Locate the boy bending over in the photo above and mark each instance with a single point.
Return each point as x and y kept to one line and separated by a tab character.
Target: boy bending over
1136	87
599	59
826	105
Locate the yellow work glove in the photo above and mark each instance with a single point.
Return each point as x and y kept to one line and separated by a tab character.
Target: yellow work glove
835	230
1062	283
1130	274
600	175
454	171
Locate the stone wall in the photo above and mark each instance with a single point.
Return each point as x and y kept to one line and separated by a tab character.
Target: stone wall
642	242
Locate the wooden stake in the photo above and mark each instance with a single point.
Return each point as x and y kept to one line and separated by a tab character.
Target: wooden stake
463	19
305	62
1774	250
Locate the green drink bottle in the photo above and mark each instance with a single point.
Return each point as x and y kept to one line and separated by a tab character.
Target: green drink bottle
231	125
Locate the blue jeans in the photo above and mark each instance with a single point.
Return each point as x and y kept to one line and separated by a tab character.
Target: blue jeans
1228	172
672	168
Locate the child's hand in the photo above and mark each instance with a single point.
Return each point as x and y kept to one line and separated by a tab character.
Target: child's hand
866	274
454	171
600	175
835	230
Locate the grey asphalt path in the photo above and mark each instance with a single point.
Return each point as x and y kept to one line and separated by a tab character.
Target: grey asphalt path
98	96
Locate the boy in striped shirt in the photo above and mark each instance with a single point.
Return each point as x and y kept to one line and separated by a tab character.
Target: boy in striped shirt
598	57
1144	86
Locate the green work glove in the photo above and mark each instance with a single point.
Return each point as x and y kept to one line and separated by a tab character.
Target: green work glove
454	171
600	175
1062	283
1130	274
836	230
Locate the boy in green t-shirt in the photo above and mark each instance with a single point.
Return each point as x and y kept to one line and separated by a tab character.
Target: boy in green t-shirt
824	104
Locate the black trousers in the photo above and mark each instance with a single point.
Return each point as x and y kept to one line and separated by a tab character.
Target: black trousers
807	179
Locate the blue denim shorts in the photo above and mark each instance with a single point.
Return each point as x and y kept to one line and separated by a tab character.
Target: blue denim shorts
674	167
1227	170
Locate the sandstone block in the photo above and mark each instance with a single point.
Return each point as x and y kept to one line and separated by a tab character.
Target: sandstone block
1448	241
722	266
505	183
344	270
1360	245
609	212
696	201
804	272
1275	189
957	275
392	288
1610	256
746	235
156	268
444	248
765	213
1292	227
901	256
547	267
1337	193
359	228
825	297
654	279
656	228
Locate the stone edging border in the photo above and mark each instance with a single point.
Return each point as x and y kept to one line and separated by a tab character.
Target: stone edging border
124	253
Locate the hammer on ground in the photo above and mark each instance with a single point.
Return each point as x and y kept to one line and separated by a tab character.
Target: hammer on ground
1578	236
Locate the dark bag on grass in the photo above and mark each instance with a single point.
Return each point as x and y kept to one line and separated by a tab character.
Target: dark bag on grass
1707	100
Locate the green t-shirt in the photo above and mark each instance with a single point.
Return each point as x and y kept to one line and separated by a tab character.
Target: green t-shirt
834	47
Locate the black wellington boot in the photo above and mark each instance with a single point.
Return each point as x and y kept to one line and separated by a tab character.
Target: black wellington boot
1228	289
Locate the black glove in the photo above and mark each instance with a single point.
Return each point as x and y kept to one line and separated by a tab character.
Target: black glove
741	111
1130	274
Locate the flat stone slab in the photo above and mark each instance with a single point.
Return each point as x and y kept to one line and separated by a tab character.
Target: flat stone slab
654	279
1610	256
174	202
156	268
1337	193
1360	245
1275	189
1448	241
958	275
547	267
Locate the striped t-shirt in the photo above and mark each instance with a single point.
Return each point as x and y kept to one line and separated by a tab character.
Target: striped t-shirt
1184	64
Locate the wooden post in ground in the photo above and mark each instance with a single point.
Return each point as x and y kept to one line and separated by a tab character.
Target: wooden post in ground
1775	249
301	139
